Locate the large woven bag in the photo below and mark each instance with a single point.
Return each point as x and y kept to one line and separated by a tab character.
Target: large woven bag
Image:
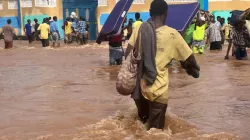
127	76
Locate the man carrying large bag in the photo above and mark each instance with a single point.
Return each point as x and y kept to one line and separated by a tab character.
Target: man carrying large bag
153	46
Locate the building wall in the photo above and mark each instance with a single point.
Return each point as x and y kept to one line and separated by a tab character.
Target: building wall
221	5
30	13
224	7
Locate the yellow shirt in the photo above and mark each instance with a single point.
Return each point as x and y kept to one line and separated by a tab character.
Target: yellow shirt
227	27
199	33
170	45
68	28
137	23
44	30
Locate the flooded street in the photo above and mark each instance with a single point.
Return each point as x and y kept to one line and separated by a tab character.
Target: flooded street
69	93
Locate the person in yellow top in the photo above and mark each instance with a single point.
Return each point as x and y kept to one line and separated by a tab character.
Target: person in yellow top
227	28
152	96
198	43
44	32
137	20
68	29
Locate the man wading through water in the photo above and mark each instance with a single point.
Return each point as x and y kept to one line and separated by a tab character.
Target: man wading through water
151	92
8	32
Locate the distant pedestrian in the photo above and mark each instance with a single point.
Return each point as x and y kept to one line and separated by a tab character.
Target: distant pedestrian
87	30
198	43
28	31
75	33
36	33
137	20
222	21
215	34
49	20
44	32
129	28
115	48
239	41
49	38
54	30
82	30
68	29
8	32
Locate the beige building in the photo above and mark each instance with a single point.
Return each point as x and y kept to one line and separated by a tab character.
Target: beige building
226	5
30	9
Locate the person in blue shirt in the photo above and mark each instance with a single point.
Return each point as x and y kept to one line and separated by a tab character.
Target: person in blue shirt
75	29
82	30
28	32
54	30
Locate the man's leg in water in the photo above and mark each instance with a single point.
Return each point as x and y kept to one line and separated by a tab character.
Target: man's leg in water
112	59
119	61
119	56
143	108
157	113
228	49
201	50
195	49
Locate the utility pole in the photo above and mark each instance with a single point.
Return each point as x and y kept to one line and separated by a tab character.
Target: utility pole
20	19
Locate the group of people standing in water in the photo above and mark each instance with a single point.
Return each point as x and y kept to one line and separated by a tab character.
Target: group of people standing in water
48	31
206	31
75	29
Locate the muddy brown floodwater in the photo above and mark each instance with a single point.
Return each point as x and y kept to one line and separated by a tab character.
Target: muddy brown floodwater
69	94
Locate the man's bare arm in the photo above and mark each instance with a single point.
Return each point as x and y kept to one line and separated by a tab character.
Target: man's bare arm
191	66
228	49
242	16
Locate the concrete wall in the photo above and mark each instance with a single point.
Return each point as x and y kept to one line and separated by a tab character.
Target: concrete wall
223	8
226	5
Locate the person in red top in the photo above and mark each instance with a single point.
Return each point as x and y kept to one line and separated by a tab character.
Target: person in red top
115	49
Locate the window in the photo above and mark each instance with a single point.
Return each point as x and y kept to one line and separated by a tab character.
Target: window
12	4
45	3
136	1
139	2
102	2
26	3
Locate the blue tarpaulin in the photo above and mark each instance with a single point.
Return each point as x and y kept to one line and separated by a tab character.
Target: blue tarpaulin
181	15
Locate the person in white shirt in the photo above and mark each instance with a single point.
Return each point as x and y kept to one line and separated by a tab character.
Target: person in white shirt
214	35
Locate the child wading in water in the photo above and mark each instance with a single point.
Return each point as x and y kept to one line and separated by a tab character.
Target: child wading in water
199	36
